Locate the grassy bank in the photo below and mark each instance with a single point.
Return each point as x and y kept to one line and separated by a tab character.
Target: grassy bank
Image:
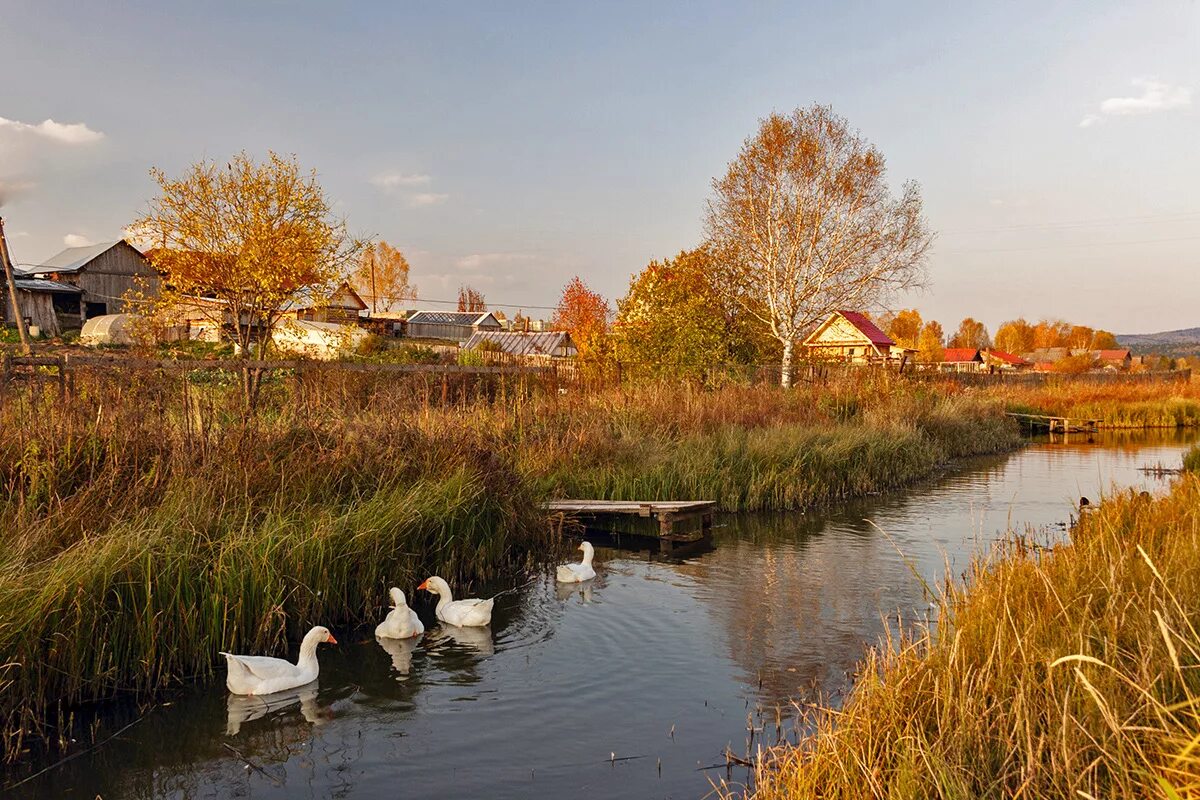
1062	673
1164	405
147	524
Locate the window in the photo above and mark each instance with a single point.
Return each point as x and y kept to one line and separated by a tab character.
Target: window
96	309
849	351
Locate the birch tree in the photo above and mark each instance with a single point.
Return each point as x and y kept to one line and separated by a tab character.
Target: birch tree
805	223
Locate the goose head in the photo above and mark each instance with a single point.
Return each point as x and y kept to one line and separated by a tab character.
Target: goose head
397	596
318	635
436	585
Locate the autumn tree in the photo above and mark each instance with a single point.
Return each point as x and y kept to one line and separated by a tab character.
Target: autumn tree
931	343
1103	340
675	320
1014	336
239	241
804	222
471	299
1050	333
905	328
583	313
1079	337
381	277
972	334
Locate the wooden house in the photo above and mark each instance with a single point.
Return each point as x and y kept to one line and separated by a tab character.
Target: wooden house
1000	361
850	336
342	306
453	325
961	359
103	273
1114	359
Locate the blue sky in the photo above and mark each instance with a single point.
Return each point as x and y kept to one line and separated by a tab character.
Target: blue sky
512	146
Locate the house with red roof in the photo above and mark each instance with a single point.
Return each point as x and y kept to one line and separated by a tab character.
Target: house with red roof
962	359
851	336
1114	359
1000	360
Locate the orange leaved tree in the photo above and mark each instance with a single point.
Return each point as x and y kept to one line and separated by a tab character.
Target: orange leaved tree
583	313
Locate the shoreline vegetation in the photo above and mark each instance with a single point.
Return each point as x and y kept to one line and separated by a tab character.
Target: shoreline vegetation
1087	687
149	522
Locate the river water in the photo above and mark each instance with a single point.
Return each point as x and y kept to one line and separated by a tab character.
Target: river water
630	687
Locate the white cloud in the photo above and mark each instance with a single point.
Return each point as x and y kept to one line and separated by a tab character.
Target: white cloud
479	260
389	181
76	240
422	199
1156	96
63	132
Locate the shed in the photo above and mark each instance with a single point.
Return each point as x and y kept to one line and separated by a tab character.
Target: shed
36	299
851	336
454	325
1118	359
341	306
103	272
552	344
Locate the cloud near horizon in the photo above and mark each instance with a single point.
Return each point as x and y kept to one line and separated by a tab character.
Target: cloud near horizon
76	240
397	180
1156	96
422	199
71	133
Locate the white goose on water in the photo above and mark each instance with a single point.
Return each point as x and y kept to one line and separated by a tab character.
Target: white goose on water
266	675
401	622
578	573
473	613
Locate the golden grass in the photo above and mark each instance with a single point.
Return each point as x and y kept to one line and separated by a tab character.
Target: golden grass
1068	672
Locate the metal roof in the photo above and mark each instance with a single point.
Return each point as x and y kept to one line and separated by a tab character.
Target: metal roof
867	328
43	285
517	343
450	317
73	259
961	354
1009	358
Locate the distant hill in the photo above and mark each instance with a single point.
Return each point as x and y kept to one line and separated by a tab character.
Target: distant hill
1179	343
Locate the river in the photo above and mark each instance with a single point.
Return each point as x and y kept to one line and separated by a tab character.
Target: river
632	686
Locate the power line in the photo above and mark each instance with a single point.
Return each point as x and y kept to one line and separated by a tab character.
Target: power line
1070	245
1182	216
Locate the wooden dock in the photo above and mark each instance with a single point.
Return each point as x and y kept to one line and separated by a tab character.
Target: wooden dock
679	521
1052	424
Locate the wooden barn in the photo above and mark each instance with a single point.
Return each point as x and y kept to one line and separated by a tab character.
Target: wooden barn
454	325
341	307
103	273
39	301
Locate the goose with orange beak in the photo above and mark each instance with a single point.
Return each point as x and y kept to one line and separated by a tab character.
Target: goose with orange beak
473	613
578	573
257	675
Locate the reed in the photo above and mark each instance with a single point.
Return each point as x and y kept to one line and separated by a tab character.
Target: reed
1061	672
1149	405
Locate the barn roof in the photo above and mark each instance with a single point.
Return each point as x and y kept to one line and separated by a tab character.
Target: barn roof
517	343
451	317
961	354
1113	355
43	285
74	259
867	328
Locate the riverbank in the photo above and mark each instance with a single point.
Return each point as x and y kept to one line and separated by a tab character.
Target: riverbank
1118	406
1054	673
147	526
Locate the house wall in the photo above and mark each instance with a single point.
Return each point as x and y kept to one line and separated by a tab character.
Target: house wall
106	278
839	339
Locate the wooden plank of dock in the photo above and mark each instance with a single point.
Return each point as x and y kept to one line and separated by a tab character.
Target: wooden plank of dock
1053	423
670	514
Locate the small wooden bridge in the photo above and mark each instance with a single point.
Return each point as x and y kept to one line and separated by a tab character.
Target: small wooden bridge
1053	424
680	522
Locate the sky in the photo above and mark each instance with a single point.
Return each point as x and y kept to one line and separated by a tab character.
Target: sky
511	146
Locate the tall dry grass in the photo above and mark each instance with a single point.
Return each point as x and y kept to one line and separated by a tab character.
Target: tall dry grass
1119	405
1068	672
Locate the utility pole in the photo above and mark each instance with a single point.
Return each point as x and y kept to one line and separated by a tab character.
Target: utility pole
374	296
12	291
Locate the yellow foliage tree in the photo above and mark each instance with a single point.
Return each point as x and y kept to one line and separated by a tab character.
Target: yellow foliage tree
381	277
931	346
905	328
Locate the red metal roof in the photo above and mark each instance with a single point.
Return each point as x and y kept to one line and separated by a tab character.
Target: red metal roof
1114	355
1008	358
959	354
868	328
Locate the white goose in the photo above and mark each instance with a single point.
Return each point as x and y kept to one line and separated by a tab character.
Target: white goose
578	573
401	622
266	675
471	613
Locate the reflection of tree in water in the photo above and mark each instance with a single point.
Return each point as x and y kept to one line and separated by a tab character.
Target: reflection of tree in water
800	596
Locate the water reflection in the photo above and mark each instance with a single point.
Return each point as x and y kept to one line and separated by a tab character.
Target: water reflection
241	709
401	651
